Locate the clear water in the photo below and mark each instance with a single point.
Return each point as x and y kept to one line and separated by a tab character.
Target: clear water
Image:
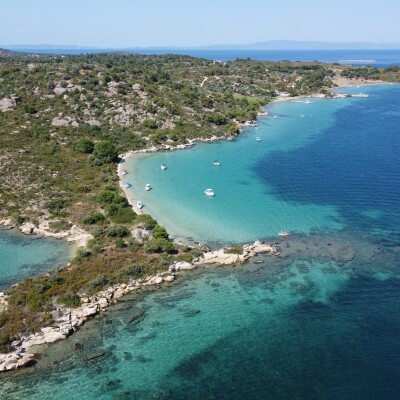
307	172
319	322
24	256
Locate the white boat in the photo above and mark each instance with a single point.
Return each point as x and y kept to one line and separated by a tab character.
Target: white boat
127	185
302	115
216	163
147	187
139	205
284	234
163	167
275	116
124	172
209	192
258	139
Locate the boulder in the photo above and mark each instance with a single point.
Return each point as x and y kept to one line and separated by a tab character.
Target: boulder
28	228
119	293
90	310
103	303
8	103
183	265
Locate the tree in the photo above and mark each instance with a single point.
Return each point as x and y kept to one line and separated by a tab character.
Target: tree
105	151
84	145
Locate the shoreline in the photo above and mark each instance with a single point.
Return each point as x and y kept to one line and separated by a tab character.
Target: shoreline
69	319
133	198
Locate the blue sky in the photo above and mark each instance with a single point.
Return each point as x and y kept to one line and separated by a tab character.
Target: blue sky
144	23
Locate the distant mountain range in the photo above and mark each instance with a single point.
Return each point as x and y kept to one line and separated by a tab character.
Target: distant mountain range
268	45
302	45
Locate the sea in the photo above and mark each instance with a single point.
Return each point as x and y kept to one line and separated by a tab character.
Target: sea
376	58
23	256
318	321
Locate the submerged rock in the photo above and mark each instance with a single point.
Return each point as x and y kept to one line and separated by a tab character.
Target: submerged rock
135	315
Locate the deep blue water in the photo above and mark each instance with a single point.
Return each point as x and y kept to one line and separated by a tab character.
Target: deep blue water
377	58
353	166
319	322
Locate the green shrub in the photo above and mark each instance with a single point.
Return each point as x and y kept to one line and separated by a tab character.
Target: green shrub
59	226
117	231
94	218
123	215
131	271
69	299
85	145
160	232
237	249
160	245
147	221
98	283
119	243
105	152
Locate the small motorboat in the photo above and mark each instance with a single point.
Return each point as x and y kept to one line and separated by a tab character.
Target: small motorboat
258	139
216	163
124	172
127	185
139	205
163	167
284	234
147	187
302	115
209	192
275	116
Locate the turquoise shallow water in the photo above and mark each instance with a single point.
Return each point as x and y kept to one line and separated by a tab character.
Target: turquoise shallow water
290	180
24	256
310	325
319	322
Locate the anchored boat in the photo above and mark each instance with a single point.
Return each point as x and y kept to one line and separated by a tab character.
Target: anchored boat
284	234
209	192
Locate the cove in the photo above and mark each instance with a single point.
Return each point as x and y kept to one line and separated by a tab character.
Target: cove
24	256
323	164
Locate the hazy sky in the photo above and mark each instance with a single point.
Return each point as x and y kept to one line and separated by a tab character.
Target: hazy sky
143	23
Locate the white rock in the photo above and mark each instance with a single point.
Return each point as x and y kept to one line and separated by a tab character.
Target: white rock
90	310
28	228
183	265
103	302
8	103
119	293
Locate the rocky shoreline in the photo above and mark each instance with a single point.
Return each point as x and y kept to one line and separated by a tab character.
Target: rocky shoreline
67	320
73	235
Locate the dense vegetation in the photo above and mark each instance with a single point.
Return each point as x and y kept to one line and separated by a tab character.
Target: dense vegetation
65	120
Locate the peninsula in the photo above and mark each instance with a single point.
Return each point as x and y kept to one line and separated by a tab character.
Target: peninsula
65	121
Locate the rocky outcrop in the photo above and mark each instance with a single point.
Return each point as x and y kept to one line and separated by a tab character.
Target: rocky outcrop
66	320
3	302
223	257
28	228
65	121
8	103
140	234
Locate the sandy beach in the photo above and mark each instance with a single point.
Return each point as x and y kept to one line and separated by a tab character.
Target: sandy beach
132	198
